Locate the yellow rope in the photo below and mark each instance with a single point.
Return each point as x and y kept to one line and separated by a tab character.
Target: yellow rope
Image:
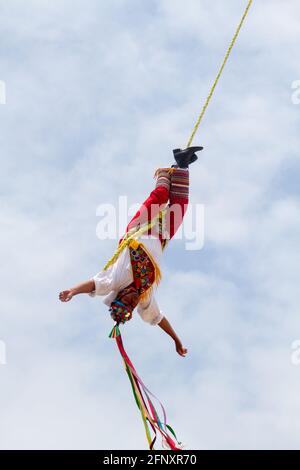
131	235
219	74
135	233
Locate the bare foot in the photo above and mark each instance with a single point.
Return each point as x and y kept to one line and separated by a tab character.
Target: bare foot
65	295
181	350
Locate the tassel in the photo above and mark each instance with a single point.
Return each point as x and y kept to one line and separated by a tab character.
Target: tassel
115	332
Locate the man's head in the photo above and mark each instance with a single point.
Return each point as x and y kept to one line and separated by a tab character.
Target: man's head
122	307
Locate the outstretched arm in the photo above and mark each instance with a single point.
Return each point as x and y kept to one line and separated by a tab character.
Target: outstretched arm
82	288
166	326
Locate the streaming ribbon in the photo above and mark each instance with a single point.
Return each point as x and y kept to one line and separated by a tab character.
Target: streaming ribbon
144	403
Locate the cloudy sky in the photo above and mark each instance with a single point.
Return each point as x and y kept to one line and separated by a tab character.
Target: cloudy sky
97	96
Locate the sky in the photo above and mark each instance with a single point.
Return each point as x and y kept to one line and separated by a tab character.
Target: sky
97	96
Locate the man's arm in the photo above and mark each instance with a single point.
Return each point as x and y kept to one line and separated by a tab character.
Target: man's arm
166	326
150	313
82	288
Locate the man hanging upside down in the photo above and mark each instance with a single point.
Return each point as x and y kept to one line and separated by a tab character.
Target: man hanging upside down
129	278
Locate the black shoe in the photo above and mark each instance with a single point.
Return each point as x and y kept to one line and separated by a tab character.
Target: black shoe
187	156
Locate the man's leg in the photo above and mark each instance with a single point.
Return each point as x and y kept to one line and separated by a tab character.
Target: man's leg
155	201
178	200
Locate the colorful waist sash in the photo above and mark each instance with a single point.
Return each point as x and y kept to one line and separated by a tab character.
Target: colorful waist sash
144	275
